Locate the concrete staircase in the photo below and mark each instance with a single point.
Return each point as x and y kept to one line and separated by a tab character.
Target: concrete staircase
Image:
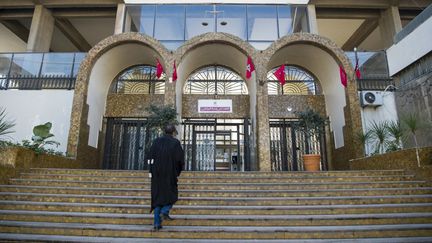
112	206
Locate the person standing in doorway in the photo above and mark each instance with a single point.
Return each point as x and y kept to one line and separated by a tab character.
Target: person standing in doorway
167	161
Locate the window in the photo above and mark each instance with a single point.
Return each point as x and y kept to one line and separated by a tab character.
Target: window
200	19
232	19
262	23
169	23
215	80
139	80
298	82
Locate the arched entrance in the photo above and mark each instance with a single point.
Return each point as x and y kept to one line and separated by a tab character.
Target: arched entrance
323	58
127	136
301	90
103	63
211	74
213	139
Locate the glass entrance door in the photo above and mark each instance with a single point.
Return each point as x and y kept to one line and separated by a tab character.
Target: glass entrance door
216	144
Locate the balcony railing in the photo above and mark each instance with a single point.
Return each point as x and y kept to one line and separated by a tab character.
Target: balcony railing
35	71
375	84
374	70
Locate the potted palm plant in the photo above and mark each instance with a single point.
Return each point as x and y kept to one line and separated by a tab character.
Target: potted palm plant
312	124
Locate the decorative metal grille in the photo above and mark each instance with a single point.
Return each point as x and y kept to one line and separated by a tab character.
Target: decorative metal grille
139	80
216	144
127	143
215	80
298	82
287	145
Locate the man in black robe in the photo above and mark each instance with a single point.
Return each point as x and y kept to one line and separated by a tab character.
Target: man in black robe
167	161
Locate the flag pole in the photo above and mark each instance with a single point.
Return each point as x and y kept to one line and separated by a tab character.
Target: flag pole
357	64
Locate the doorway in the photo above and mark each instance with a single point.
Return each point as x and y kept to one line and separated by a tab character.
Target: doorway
216	144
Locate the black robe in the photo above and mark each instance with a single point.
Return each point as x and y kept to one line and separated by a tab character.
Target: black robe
168	162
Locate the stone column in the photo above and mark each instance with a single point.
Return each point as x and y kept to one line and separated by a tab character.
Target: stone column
123	20
390	24
263	128
170	86
41	30
312	19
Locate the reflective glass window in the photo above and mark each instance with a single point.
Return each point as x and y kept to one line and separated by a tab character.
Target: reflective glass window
57	64
5	62
262	23
285	20
79	57
232	19
26	64
200	19
169	23
142	18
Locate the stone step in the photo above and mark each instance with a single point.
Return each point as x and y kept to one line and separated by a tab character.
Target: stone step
219	232
219	220
139	173
234	192
221	185
89	239
228	200
225	179
221	209
233	176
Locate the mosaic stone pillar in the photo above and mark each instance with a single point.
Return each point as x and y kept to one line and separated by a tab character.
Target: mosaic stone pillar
263	128
170	85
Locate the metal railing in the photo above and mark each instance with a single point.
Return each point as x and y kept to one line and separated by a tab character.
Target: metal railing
35	71
375	84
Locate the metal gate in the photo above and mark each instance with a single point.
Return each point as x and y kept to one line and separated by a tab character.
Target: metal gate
127	142
216	144
288	144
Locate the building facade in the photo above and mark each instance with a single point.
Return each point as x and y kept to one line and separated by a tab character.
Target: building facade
91	68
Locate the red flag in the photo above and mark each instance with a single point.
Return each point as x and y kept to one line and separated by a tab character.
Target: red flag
343	76
357	69
174	76
159	69
249	67
280	74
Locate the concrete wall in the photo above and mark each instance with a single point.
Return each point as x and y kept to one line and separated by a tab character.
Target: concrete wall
9	42
386	112
411	48
31	108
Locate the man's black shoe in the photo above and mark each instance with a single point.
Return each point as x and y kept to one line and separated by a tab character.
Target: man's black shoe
166	217
157	228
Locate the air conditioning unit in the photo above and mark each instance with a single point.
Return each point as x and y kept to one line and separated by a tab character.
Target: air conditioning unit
371	98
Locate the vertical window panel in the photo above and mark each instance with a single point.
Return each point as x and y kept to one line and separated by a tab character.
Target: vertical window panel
169	23
232	19
200	19
262	23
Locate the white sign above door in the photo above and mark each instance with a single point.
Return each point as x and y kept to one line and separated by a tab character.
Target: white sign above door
214	106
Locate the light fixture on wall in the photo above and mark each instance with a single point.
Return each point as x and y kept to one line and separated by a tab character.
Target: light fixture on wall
204	23
223	23
289	108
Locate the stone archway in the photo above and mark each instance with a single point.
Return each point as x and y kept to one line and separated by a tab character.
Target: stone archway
94	77
323	57
216	49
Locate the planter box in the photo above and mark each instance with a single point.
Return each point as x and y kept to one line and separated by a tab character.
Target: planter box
18	159
397	160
